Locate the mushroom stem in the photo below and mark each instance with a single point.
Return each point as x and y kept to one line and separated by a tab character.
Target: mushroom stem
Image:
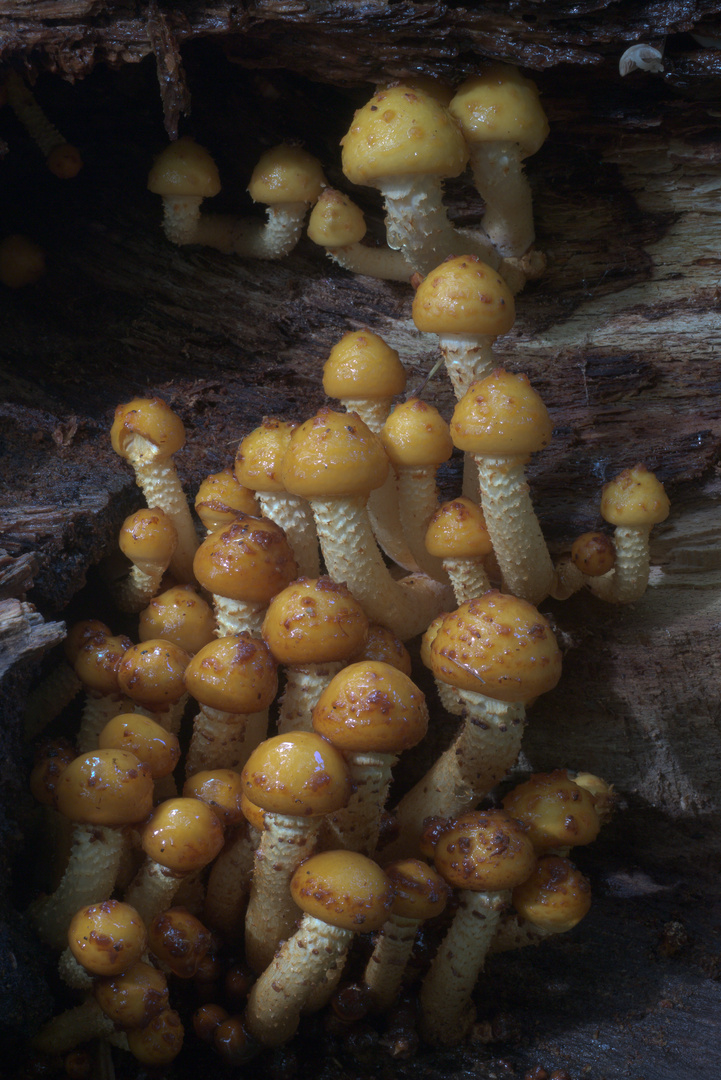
629	579
97	711
468	578
237	616
224	740
568	579
467	357
63	160
228	886
385	968
152	890
181	214
273	239
49	697
514	932
71	1028
382	263
295	518
501	182
304	685
356	827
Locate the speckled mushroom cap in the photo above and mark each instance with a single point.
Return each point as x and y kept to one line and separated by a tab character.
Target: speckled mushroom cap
555	897
635	498
593	554
497	645
106	787
501	105
179	940
221	498
415	435
107	938
419	892
260	454
178	615
464	296
152	673
555	811
134	997
385	646
79	633
362	365
402	131
148	534
371	707
501	415
345	889
334	454
236	674
182	169
221	789
182	834
286	174
485	852
335	221
250	560
98	660
314	620
458	530
254	815
148	740
153	420
428	638
298	774
158	1043
51	758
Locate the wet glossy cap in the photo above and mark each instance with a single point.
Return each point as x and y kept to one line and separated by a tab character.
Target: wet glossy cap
106	787
555	897
51	759
500	105
458	530
221	789
418	891
179	940
151	743
250	560
260	455
635	498
183	169
335	221
314	620
286	174
182	835
148	535
107	938
79	633
555	811
362	365
298	774
158	1042
134	997
486	851
221	498
98	659
334	454
501	415
345	889
153	420
153	673
593	554
236	674
464	296
386	647
415	435
178	615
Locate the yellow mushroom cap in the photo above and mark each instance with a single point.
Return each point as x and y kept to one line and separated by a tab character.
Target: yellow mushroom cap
260	454
286	174
79	633
335	221
385	646
499	646
254	815
361	365
343	888
418	891
415	435
458	530
152	673
314	620
334	454
158	1042
106	787
429	636
427	85
153	420
107	938
593	554
151	743
298	774
635	498
183	169
221	498
51	758
236	674
134	997
221	789
22	261
555	897
555	811
485	851
501	105
501	415
464	296
98	660
148	534
371	707
250	560
178	615
402	131
179	940
182	835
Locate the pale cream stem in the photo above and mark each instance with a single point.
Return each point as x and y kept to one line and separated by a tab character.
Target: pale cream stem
356	827
228	887
629	579
170	718
72	1028
152	890
295	518
72	973
500	180
381	263
304	685
181	214
272	913
252	238
23	103
417	503
276	1000
468	578
159	481
468	357
97	711
568	579
48	699
389	960
513	527
237	616
224	740
447	1010
134	592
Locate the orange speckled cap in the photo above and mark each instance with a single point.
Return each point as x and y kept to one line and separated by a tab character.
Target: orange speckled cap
221	498
182	835
106	787
415	435
314	620
343	888
178	615
385	646
486	851
148	535
97	662
148	740
635	498
152	673
458	530
286	174
464	296
334	454
401	131
418	891
260	454
555	811
250	560
134	997
371	707
499	646
501	415
335	220
501	105
153	420
299	774
593	554
107	938
362	365
183	169
236	674
555	897
221	789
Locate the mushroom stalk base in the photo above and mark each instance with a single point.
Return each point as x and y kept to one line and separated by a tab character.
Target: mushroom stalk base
417	503
377	262
72	1028
500	180
515	933
629	579
251	238
384	971
22	102
152	890
134	592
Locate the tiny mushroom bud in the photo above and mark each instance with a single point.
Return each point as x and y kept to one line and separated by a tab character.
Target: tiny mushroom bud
383	645
148	538
183	174
338	225
132	998
556	812
592	555
107	938
152	674
221	498
159	1042
457	535
151	743
552	900
179	941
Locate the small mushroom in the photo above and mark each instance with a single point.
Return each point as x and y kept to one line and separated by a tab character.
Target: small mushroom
149	539
178	941
106	938
61	685
97	664
152	744
556	813
178	615
551	901
152	675
457	535
338	225
183	174
221	498
63	159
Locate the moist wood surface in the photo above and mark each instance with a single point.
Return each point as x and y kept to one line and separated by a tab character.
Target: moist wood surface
621	338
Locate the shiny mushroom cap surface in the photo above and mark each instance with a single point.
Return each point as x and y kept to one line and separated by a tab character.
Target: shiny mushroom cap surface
182	834
419	891
148	535
298	774
334	454
250	560
221	498
151	743
345	889
501	105
555	811
458	530
179	615
153	420
415	435
335	221
362	365
286	174
314	620
106	787
152	673
236	674
260	454
463	295
555	897
485	852
635	498
184	169
221	790
501	416
107	938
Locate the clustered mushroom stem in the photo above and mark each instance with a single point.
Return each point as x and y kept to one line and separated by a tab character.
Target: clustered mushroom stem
72	973
181	214
224	740
513	527
237	616
446	991
134	592
31	116
228	885
254	239
417	503
97	711
467	357
152	890
568	579
468	578
500	180
382	263
161	487
72	1028
629	579
387	523
356	827
295	518
387	964
304	685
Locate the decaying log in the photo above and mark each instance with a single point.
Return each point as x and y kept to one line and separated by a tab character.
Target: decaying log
621	337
